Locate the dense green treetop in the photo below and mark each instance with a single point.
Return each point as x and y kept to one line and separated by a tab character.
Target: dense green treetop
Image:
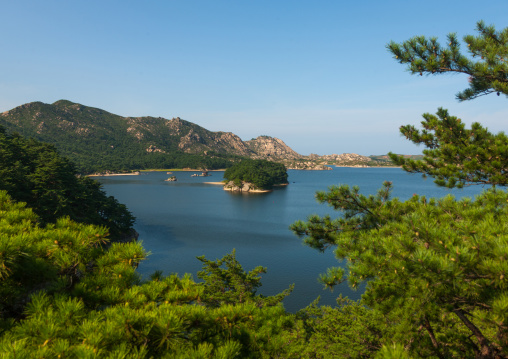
53	258
65	295
261	173
34	172
454	155
227	283
438	264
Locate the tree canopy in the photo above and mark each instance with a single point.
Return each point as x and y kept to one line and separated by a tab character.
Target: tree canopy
263	174
486	63
64	294
434	269
227	283
454	155
34	172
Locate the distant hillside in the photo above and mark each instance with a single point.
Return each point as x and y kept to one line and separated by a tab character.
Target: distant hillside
98	140
353	160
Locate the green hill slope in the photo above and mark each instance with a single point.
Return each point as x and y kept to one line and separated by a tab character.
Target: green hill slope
98	140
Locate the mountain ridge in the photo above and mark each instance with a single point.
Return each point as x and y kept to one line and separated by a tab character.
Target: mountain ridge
98	140
77	131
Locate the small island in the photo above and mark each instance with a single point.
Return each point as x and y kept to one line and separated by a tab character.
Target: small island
255	176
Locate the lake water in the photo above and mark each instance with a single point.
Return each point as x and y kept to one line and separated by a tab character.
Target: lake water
178	221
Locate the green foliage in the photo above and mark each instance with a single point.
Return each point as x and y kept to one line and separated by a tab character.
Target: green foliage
64	294
54	258
232	285
33	172
394	351
487	75
456	156
348	331
97	141
263	174
434	269
434	264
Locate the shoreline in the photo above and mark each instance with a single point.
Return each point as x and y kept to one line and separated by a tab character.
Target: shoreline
229	189
137	173
114	174
368	166
180	170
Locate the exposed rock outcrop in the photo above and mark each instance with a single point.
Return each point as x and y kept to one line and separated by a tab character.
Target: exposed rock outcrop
267	147
153	148
245	187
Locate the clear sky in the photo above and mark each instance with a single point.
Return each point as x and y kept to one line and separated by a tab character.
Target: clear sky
315	74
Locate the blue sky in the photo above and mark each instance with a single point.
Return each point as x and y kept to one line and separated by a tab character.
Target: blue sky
315	74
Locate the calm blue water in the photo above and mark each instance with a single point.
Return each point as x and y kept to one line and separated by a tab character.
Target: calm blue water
178	221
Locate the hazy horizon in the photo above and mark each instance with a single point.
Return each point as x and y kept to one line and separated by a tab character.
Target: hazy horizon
316	74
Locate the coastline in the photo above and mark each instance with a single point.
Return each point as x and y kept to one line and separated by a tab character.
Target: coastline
368	166
137	173
230	189
180	170
114	174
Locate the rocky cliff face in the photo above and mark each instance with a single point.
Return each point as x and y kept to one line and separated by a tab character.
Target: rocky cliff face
267	147
185	136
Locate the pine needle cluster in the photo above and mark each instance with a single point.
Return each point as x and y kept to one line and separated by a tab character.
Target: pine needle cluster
434	269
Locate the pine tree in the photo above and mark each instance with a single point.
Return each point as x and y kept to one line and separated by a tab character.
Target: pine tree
34	172
454	155
232	285
487	75
65	295
67	291
434	268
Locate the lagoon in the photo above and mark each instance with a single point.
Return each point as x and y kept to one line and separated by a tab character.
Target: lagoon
178	221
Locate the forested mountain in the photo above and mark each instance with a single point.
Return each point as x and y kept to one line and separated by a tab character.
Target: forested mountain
98	140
